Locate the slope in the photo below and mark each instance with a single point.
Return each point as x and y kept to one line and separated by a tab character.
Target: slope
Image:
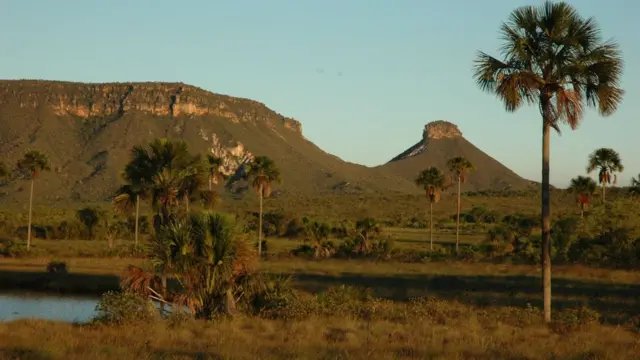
87	130
442	141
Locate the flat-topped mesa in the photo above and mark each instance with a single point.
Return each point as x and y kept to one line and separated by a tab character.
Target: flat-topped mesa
86	100
441	129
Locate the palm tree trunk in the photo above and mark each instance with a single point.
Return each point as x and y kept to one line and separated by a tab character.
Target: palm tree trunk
163	279
210	183
30	216
546	223
137	219
458	219
431	225
260	228
186	201
604	190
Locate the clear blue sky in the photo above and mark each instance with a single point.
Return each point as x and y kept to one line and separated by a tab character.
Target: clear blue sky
363	77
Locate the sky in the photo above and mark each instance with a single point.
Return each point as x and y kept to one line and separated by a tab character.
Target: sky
362	76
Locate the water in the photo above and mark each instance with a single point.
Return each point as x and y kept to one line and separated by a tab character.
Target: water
14	306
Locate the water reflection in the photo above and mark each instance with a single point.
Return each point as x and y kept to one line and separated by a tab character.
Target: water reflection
15	306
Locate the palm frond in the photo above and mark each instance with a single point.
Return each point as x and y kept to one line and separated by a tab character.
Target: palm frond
551	52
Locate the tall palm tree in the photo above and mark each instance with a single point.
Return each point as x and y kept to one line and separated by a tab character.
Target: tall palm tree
137	175
214	165
126	199
607	162
634	190
433	182
555	59
262	173
459	167
582	187
30	166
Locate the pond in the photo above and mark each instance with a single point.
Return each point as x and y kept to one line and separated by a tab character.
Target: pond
14	306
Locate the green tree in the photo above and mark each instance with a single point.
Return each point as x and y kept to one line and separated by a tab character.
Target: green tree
214	166
634	190
90	217
262	173
557	60
460	168
583	187
607	162
30	167
433	182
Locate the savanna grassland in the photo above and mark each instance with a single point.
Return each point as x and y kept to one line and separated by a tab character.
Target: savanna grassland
399	301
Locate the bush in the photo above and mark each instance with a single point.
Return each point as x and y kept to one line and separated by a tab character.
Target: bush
269	295
609	235
12	249
119	308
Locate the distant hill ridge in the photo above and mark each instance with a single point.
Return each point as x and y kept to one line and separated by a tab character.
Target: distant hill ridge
87	130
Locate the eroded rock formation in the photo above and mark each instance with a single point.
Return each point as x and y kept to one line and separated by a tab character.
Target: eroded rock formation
160	99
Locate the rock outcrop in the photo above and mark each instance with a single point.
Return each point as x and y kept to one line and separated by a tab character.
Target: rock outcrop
443	140
441	129
157	99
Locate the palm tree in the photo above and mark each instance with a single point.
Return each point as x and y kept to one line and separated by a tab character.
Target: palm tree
30	166
607	162
555	59
128	197
207	256
163	171
433	182
582	187
459	167
366	229
214	164
634	190
262	172
137	175
193	185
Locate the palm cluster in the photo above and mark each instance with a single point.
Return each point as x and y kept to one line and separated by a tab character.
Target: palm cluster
203	251
166	173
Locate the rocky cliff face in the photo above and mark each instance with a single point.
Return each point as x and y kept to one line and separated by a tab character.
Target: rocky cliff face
158	99
441	129
232	156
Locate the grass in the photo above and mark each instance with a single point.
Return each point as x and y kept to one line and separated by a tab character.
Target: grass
428	330
479	310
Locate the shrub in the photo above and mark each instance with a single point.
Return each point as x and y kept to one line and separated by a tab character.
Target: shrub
573	319
269	294
12	249
119	308
294	229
